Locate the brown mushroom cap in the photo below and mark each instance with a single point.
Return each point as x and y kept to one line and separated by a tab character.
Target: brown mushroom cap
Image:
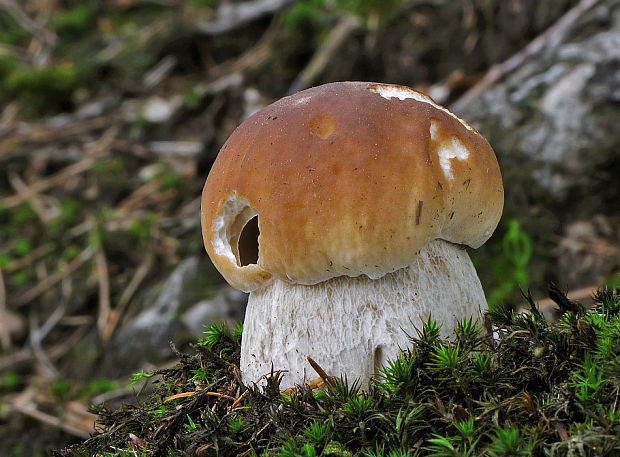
347	179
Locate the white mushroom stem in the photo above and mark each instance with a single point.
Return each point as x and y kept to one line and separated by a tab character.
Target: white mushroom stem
352	326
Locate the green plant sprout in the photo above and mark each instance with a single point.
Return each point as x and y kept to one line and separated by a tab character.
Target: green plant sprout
190	426
446	358
317	432
158	413
236	427
237	332
396	375
202	374
517	251
214	334
358	407
429	334
588	380
508	442
136	377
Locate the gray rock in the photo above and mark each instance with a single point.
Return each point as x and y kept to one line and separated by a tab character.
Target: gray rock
554	114
553	123
192	296
228	306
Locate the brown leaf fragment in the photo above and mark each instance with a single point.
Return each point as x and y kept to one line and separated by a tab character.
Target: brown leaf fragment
562	432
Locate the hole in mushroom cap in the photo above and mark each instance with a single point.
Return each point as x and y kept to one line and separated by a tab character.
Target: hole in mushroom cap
248	243
235	232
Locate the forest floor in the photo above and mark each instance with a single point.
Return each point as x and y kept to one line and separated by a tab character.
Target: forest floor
111	114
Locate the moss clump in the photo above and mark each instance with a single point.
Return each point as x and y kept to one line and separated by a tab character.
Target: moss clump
524	386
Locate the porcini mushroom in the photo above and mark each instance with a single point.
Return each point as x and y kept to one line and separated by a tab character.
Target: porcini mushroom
344	210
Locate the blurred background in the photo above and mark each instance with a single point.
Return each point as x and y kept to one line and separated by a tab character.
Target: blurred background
112	112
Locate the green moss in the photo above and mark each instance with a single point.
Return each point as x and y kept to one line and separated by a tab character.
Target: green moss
97	386
62	389
70	209
528	388
10	31
74	22
42	90
9	380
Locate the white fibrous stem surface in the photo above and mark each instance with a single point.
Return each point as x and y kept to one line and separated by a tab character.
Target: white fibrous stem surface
352	326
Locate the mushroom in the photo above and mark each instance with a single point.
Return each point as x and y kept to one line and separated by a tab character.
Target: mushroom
345	210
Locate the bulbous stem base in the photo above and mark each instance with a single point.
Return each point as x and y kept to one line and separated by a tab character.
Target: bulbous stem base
352	326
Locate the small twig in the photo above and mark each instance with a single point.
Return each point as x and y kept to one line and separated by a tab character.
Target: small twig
229	72
15	358
319	61
2	293
30	409
217	394
574	296
5	335
35	338
38	334
203	448
43	133
93	151
29	259
499	71
27	23
141	272
231	16
181	395
51	280
44	211
561	299
136	199
105	311
42	185
159	72
176	149
57	351
316	367
77	320
144	35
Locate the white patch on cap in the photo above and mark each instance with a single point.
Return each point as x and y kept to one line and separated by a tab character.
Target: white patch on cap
227	226
447	151
402	93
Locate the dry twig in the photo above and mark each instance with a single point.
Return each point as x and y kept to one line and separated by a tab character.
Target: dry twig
141	272
31	410
552	35
43	208
53	279
105	311
5	324
38	334
54	353
93	151
233	15
321	58
40	133
181	395
21	17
